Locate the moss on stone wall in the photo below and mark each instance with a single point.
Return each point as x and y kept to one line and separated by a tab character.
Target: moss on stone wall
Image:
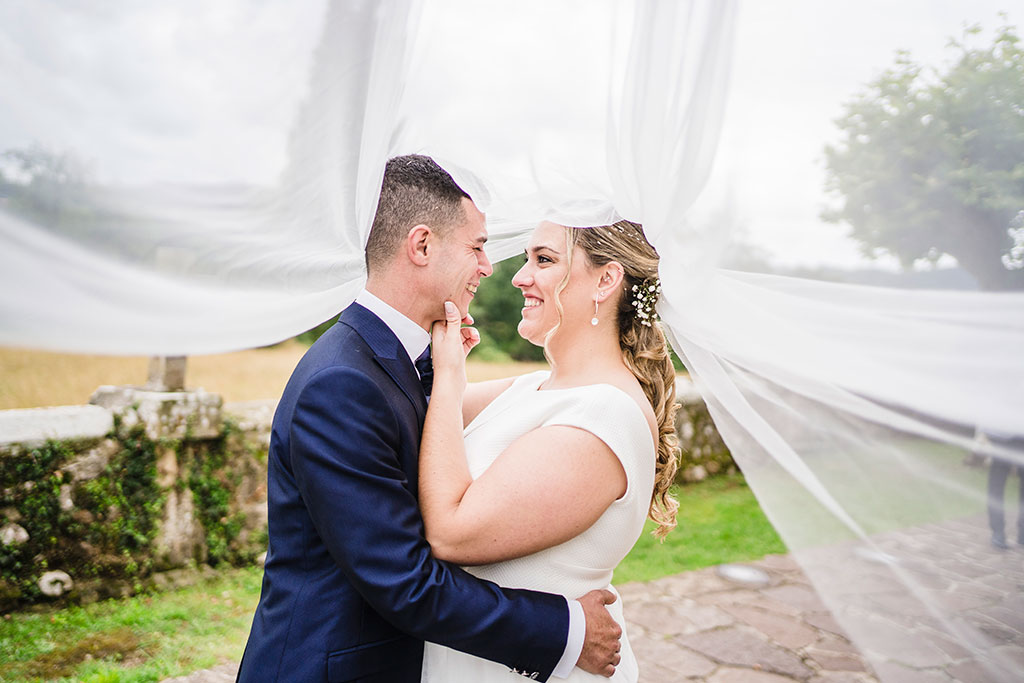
213	480
93	527
96	517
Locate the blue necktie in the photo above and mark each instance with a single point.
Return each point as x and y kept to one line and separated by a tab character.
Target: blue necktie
425	367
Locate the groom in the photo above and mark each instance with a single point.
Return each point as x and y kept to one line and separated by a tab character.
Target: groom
350	589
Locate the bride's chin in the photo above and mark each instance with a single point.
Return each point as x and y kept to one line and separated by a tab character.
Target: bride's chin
529	333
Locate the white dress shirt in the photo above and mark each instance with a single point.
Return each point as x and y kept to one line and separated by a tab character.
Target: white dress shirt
414	339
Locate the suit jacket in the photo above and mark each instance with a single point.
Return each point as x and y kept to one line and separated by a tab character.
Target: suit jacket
350	589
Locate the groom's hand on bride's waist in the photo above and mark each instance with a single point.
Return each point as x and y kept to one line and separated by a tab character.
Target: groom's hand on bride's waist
600	653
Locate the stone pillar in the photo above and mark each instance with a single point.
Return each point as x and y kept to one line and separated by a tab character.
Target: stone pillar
166	373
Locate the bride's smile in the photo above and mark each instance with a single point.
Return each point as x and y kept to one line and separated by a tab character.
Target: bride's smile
531	302
542	280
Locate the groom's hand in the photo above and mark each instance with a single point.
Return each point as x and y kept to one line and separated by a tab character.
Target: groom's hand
600	653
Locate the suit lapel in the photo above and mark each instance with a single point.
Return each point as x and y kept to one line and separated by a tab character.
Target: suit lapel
388	353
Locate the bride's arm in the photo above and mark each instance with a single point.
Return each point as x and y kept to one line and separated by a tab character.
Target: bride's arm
547	487
480	394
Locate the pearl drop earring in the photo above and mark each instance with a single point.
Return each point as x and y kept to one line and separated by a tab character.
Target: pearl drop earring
593	321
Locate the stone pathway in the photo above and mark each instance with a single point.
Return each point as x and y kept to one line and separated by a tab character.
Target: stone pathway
224	673
700	626
903	593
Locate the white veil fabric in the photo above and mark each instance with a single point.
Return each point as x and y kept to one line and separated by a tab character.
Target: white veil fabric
235	224
157	218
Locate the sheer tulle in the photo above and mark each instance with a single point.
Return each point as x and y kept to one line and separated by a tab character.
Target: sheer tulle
192	229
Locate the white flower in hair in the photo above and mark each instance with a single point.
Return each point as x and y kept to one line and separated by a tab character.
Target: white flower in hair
645	297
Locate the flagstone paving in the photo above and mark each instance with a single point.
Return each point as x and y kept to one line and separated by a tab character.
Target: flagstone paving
763	622
699	626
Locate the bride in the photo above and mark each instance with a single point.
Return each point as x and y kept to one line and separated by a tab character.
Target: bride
544	481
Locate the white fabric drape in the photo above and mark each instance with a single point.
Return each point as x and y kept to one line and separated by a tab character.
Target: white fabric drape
850	409
156	261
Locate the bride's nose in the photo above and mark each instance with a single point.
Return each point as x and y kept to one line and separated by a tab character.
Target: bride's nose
522	278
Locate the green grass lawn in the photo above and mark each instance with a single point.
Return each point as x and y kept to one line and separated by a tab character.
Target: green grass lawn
144	638
906	483
152	637
719	522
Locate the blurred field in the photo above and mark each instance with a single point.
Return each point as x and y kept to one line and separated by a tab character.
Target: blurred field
30	379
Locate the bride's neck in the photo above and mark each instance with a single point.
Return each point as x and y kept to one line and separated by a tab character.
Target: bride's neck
583	359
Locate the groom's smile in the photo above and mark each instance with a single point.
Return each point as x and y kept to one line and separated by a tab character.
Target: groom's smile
463	262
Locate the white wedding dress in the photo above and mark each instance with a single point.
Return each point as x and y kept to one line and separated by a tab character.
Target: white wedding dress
583	563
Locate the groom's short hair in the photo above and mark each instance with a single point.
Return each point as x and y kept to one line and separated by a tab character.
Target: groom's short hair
415	190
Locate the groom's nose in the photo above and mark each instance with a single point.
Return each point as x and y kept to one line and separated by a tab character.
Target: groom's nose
484	265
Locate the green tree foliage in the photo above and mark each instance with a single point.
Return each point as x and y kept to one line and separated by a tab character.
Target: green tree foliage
497	312
932	162
312	334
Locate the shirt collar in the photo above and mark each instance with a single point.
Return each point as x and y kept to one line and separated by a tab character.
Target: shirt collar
414	339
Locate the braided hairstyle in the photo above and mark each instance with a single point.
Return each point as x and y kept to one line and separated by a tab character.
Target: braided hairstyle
643	345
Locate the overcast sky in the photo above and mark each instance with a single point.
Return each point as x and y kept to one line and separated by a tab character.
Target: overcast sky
152	90
797	61
207	91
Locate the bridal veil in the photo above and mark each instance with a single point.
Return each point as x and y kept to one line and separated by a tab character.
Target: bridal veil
201	177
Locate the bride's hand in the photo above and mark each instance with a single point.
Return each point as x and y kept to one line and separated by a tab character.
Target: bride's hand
450	343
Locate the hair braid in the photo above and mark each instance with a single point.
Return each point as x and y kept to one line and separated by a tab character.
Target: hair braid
645	352
644	349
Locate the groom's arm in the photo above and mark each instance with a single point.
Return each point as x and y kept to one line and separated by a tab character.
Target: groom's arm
344	445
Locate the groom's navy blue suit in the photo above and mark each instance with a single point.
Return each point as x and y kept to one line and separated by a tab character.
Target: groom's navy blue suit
350	590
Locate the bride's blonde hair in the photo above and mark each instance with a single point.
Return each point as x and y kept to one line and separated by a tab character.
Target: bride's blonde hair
644	349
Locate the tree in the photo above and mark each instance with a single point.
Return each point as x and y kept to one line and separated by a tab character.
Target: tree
497	310
932	163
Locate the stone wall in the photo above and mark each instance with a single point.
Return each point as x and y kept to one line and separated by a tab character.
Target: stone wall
704	454
142	489
138	490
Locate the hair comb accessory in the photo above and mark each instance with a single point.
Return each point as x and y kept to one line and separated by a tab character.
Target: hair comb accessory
645	296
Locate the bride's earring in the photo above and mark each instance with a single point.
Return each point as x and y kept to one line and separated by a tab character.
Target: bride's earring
597	297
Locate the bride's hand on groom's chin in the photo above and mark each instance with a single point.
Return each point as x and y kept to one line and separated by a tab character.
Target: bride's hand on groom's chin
450	343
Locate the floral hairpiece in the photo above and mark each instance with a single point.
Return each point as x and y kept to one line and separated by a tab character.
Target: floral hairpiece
645	296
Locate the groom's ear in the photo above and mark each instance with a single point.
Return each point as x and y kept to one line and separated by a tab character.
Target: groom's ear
419	244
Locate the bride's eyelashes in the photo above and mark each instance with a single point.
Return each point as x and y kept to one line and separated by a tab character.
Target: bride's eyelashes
539	255
545	257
